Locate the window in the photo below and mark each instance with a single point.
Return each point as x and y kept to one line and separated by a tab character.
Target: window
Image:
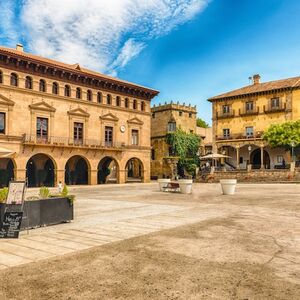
2	123
190	115
134	104
42	85
134	137
55	88
67	91
191	131
1	77
226	133
108	136
249	131
153	116
78	133
89	95
152	154
42	128
28	82
108	99
275	102
249	106
99	97
241	160
118	101
171	151
14	80
126	102
143	106
226	109
172	126
78	93
279	159
180	114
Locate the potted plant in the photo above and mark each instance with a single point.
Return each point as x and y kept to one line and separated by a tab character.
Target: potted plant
228	186
185	185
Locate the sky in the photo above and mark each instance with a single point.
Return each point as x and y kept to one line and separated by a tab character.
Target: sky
189	50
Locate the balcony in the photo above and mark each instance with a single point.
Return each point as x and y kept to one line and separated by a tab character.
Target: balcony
225	115
269	109
55	141
240	136
249	112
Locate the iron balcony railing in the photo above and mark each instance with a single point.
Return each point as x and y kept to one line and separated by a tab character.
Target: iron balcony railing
63	141
240	136
223	115
275	108
248	112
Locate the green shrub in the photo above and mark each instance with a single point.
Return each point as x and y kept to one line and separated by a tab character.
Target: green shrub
3	194
65	191
44	192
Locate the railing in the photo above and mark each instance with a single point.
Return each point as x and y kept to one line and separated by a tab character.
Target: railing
249	112
240	136
273	109
223	115
63	142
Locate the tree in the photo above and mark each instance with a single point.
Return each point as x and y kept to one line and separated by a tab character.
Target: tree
202	123
283	135
186	147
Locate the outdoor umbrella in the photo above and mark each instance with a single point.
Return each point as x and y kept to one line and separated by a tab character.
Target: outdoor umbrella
6	153
214	156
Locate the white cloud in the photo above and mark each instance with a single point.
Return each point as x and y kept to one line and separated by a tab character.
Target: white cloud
101	34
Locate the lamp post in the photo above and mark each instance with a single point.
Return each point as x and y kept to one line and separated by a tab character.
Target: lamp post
249	167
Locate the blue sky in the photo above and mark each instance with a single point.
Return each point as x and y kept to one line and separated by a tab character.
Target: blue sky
188	50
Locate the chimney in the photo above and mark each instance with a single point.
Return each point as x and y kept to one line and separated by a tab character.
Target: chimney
20	47
256	79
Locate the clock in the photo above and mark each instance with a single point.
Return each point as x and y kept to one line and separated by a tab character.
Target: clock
122	128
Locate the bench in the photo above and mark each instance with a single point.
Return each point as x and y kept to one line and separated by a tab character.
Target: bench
172	187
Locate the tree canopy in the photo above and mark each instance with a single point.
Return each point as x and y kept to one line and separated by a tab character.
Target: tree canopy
202	123
283	135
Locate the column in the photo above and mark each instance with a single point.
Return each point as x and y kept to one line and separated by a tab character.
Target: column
122	176
262	157
20	174
60	176
94	177
237	158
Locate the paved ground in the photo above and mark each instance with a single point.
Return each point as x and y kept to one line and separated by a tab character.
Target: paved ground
136	242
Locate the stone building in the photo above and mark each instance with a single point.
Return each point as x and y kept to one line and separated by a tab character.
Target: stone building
166	118
241	116
206	143
67	123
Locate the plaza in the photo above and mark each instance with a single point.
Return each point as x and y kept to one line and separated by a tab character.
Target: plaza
134	242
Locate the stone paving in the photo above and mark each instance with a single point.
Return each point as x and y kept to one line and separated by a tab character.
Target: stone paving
97	221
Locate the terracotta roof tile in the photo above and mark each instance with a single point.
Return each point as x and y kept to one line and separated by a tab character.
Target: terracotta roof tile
260	87
71	67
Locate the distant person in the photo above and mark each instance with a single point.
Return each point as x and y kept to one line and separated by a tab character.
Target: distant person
283	164
60	187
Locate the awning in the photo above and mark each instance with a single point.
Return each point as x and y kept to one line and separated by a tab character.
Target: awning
6	153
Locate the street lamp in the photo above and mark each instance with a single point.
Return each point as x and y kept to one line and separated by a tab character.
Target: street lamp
293	144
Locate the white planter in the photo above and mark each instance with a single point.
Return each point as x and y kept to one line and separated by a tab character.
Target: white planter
228	186
185	185
163	183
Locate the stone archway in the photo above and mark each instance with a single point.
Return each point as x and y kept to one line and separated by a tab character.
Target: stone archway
108	170
134	170
255	159
7	171
77	171
40	171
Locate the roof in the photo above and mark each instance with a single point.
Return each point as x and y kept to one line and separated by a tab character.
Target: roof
71	67
260	88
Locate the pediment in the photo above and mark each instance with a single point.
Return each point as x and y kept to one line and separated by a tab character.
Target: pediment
5	101
136	121
44	106
109	117
78	112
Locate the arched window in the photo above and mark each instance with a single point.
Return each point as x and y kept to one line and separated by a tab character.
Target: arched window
55	88
134	104
42	85
1	76
99	97
126	102
108	99
118	101
28	82
143	106
67	91
78	93
89	95
14	80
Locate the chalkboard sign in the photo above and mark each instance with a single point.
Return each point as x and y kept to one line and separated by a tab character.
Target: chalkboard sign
11	224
